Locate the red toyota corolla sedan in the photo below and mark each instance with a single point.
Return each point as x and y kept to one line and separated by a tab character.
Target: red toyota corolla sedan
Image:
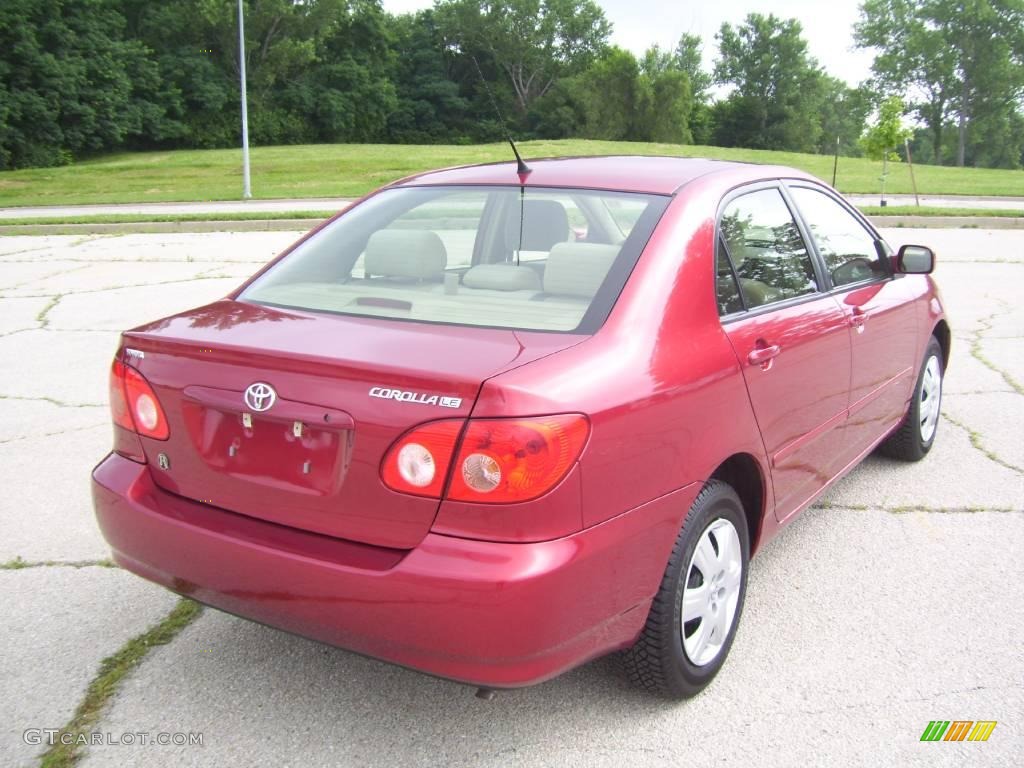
490	425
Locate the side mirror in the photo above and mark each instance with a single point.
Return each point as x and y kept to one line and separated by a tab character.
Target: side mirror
915	260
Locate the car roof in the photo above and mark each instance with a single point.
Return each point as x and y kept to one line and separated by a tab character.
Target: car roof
626	173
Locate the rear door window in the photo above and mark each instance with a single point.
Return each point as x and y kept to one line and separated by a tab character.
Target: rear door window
726	288
768	254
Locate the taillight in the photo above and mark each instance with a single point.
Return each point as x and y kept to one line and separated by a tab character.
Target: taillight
502	461
418	462
499	461
133	403
118	401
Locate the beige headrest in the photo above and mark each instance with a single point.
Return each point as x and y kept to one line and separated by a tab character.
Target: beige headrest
542	224
411	253
578	269
502	277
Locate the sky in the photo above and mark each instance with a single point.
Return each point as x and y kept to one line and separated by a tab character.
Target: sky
638	24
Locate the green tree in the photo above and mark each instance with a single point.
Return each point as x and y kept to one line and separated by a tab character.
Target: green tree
430	108
670	107
352	95
954	58
533	43
611	96
843	116
689	58
559	113
70	82
316	70
665	102
887	133
778	86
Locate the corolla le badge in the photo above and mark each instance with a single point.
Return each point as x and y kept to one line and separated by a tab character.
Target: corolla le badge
405	396
260	396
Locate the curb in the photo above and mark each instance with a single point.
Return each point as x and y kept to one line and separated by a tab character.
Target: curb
948	222
304	225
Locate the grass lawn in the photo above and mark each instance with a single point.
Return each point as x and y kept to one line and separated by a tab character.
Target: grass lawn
924	210
348	170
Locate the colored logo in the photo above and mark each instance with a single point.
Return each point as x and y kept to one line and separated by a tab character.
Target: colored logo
958	730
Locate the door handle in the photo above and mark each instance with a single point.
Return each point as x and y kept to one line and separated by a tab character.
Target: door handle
763	355
858	319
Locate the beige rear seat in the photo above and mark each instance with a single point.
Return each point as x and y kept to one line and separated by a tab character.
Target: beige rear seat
502	277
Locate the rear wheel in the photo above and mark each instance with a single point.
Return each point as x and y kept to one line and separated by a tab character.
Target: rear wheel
694	616
915	436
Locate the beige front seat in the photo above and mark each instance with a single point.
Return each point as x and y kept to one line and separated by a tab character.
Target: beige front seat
544	223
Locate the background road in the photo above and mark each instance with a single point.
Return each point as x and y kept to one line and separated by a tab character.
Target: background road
337	203
894	601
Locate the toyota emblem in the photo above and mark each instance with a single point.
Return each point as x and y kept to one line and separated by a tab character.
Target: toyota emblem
259	396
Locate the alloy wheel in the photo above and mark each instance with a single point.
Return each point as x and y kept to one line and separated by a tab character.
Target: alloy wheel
930	398
711	592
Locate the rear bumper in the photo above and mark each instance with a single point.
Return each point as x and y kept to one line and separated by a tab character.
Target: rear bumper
492	614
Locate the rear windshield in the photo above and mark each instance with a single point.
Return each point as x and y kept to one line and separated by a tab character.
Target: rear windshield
509	257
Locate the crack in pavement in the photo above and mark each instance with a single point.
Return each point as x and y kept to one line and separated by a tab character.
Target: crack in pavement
52	401
68	750
901	509
47	276
982	261
919	699
5	254
7	440
976	438
16	331
974	340
977	336
42	316
111	288
18	564
140	261
979	392
51	329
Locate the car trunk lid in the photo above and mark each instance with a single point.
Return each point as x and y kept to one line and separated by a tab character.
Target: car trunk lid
335	393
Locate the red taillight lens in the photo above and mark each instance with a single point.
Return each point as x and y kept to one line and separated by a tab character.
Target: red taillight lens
118	402
418	463
502	461
133	403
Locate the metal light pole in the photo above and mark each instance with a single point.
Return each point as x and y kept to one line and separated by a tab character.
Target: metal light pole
246	184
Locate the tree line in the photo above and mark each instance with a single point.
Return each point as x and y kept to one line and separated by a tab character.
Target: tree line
79	77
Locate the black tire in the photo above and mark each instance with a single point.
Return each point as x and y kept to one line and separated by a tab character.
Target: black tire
906	443
658	661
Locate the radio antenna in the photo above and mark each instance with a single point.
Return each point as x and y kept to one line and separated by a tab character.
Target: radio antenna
521	168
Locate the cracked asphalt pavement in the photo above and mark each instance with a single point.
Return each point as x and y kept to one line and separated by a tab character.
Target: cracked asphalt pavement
896	600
